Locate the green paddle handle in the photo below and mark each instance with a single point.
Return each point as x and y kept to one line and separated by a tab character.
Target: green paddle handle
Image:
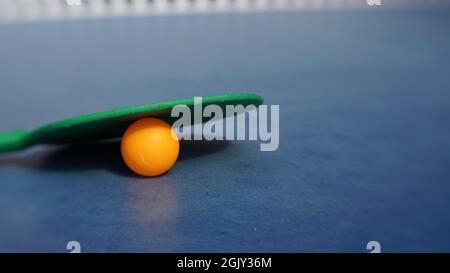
14	140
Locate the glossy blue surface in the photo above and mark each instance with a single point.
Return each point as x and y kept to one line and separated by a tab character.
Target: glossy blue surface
364	146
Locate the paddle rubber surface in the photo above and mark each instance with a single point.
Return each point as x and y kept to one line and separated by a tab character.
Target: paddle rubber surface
112	123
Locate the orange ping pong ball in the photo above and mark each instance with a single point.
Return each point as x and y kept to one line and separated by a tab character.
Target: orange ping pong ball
150	147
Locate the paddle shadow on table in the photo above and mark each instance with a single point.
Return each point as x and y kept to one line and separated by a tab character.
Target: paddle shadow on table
98	155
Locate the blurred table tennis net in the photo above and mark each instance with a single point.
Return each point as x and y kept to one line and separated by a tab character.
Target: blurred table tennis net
32	10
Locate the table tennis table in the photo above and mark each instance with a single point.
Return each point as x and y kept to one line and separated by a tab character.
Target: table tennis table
364	154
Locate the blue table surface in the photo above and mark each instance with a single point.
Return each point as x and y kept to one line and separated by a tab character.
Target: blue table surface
364	133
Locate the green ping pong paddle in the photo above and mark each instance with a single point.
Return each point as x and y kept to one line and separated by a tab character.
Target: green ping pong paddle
111	123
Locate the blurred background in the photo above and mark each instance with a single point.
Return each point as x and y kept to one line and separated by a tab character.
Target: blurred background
25	10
